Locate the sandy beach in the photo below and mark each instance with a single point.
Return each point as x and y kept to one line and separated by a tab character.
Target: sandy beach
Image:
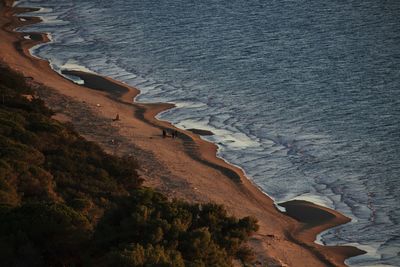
183	167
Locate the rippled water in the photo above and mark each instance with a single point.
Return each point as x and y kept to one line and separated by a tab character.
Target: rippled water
304	96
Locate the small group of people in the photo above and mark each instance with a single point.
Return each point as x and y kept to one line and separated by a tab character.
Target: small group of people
171	133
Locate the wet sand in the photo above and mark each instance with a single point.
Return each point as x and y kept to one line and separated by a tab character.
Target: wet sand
201	132
185	167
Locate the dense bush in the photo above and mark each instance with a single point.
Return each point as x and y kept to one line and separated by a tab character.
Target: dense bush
65	202
42	234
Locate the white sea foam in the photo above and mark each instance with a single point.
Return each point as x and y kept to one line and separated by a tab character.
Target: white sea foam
74	65
34	48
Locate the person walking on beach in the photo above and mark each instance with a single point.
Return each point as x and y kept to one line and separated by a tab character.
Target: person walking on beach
164	133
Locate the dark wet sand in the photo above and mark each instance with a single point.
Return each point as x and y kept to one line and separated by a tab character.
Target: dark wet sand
201	132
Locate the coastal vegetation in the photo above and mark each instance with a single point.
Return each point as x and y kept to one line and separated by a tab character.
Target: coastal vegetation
65	202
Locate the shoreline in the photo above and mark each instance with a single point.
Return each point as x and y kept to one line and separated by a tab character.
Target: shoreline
189	160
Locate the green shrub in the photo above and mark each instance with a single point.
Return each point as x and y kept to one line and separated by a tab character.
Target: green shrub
46	234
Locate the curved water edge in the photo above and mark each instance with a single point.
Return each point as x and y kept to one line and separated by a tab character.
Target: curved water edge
302	153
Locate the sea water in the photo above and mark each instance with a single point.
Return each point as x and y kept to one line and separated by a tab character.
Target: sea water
303	95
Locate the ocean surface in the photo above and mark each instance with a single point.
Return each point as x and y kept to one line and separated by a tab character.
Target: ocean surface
303	95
